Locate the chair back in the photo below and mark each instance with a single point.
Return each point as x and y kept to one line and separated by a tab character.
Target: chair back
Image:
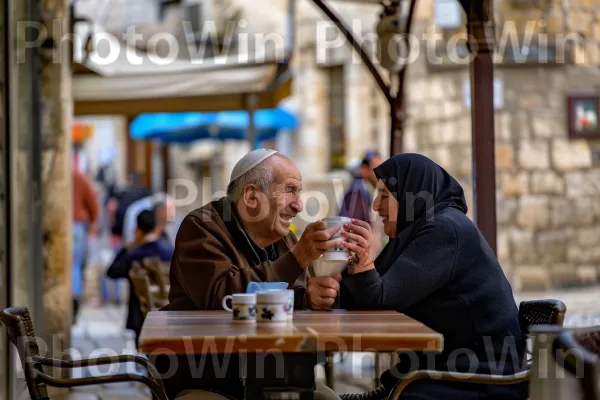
158	275
562	366
571	351
21	334
141	286
541	312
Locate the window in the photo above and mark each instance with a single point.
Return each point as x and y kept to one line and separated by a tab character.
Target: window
337	105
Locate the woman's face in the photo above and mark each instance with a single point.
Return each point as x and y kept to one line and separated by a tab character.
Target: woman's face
387	207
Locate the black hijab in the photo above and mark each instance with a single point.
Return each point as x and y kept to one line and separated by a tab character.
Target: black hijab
422	189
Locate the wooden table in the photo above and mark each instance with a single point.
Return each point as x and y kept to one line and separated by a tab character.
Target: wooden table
300	340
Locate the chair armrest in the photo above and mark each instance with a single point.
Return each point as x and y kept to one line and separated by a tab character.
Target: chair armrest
157	392
124	358
457	377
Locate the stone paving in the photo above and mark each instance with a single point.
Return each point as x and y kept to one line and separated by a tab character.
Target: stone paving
100	331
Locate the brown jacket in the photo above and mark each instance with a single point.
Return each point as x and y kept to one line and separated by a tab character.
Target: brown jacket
214	257
85	201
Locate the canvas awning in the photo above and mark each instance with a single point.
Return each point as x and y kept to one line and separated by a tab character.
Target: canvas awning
134	83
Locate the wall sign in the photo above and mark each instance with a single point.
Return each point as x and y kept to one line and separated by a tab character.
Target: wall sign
582	115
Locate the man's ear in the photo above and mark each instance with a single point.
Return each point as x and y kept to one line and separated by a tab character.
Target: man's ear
250	196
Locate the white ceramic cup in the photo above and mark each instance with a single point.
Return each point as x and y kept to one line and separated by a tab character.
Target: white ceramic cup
243	306
290	307
338	253
272	306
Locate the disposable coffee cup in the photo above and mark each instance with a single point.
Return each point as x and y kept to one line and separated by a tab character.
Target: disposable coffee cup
337	253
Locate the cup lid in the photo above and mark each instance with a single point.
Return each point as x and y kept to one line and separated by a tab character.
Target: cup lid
273	296
244	296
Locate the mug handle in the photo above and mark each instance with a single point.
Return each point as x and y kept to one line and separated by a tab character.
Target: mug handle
224	302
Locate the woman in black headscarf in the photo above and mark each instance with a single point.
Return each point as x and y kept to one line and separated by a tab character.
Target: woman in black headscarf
438	269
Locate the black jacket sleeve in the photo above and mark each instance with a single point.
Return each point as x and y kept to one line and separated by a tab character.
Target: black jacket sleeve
425	266
120	266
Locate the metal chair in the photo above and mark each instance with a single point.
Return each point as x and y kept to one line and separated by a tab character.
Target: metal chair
21	333
158	275
533	312
143	290
572	349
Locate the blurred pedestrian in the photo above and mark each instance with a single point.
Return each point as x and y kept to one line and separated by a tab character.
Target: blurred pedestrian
86	209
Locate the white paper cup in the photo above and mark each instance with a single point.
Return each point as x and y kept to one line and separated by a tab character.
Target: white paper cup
338	253
243	306
272	306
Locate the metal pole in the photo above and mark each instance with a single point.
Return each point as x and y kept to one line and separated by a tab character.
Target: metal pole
481	33
251	107
35	159
397	107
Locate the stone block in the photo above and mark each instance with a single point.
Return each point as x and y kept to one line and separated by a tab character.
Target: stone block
502	127
531	277
563	275
554	23
533	154
547	182
506	210
504	156
533	212
584	213
503	246
583	183
581	255
461	161
545	125
561	212
515	184
552	246
435	89
581	22
585	237
531	100
570	155
453	108
587	274
522	246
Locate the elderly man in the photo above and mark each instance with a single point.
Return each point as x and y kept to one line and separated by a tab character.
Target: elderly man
243	237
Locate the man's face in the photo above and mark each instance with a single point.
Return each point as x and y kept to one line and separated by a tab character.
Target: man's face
367	172
284	201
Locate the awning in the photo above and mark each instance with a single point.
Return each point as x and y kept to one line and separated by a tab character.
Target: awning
135	82
225	125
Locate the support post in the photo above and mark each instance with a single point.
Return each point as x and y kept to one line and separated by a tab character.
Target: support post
251	108
481	33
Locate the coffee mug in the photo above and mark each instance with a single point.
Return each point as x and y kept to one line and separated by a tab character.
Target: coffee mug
290	308
338	253
273	306
243	306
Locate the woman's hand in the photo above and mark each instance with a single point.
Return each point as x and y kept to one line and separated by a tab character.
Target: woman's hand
360	233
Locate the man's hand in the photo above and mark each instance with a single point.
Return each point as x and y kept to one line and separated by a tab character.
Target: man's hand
322	292
314	242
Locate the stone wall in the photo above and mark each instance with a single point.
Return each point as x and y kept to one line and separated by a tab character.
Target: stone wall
547	185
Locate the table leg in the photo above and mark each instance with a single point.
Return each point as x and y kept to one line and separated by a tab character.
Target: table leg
280	376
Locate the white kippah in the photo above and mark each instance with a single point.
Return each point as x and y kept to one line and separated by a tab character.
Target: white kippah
249	161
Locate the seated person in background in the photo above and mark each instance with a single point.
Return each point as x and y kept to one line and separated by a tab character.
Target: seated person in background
230	242
160	212
438	269
145	245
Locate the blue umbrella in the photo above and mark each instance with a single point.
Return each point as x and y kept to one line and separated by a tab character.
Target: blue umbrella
226	125
158	125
